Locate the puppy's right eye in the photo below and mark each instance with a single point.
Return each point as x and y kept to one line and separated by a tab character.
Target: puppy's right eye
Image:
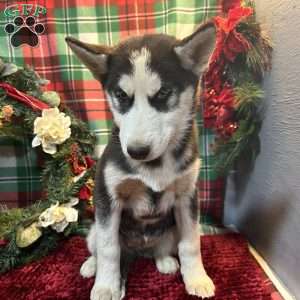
164	93
121	95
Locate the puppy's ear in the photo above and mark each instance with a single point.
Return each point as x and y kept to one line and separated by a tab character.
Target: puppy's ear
195	50
93	56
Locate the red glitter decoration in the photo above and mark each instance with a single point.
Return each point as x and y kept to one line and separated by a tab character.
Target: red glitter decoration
219	111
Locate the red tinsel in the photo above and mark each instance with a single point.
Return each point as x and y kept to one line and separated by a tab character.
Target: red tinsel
34	103
219	111
219	99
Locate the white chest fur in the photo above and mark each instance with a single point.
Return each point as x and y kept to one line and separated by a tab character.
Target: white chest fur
160	178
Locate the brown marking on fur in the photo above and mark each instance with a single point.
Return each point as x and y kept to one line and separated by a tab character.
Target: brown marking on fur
130	188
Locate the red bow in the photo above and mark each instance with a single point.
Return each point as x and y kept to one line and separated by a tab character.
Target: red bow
229	41
34	103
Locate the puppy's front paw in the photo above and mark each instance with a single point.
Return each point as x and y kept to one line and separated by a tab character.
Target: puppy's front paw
201	286
88	268
104	293
167	264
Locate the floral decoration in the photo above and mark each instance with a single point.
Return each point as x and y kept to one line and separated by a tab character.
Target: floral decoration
52	129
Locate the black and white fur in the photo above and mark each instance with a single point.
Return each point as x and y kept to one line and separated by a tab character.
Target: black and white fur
145	192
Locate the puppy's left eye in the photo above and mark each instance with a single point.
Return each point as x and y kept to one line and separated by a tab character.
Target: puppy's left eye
121	95
163	93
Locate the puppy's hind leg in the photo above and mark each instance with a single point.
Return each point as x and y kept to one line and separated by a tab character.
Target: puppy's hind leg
165	262
88	268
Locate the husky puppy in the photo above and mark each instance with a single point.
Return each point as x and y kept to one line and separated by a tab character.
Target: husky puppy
145	186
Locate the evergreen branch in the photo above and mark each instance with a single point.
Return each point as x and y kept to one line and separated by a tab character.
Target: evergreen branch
258	57
248	100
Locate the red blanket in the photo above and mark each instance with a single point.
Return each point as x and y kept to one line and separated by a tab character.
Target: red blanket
226	257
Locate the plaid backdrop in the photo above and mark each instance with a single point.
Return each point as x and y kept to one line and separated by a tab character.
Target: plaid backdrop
107	22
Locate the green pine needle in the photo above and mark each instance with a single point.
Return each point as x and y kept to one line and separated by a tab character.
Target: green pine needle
249	98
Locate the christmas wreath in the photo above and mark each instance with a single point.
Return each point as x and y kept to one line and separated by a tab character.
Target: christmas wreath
67	146
232	95
231	107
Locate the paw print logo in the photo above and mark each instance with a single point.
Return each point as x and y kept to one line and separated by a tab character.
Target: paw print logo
24	31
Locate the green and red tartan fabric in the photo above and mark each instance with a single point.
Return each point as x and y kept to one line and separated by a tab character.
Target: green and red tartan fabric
106	22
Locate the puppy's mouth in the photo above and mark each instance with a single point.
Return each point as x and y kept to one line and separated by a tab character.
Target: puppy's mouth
154	162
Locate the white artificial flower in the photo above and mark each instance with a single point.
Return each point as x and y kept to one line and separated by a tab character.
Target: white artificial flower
59	216
51	129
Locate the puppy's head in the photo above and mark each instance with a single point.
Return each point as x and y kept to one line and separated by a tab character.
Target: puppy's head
150	82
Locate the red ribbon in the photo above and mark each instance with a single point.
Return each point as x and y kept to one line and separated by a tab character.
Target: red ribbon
34	103
229	41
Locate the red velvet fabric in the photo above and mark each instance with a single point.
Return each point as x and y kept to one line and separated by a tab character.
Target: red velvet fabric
226	258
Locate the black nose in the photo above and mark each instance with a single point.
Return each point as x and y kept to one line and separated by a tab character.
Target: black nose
138	152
